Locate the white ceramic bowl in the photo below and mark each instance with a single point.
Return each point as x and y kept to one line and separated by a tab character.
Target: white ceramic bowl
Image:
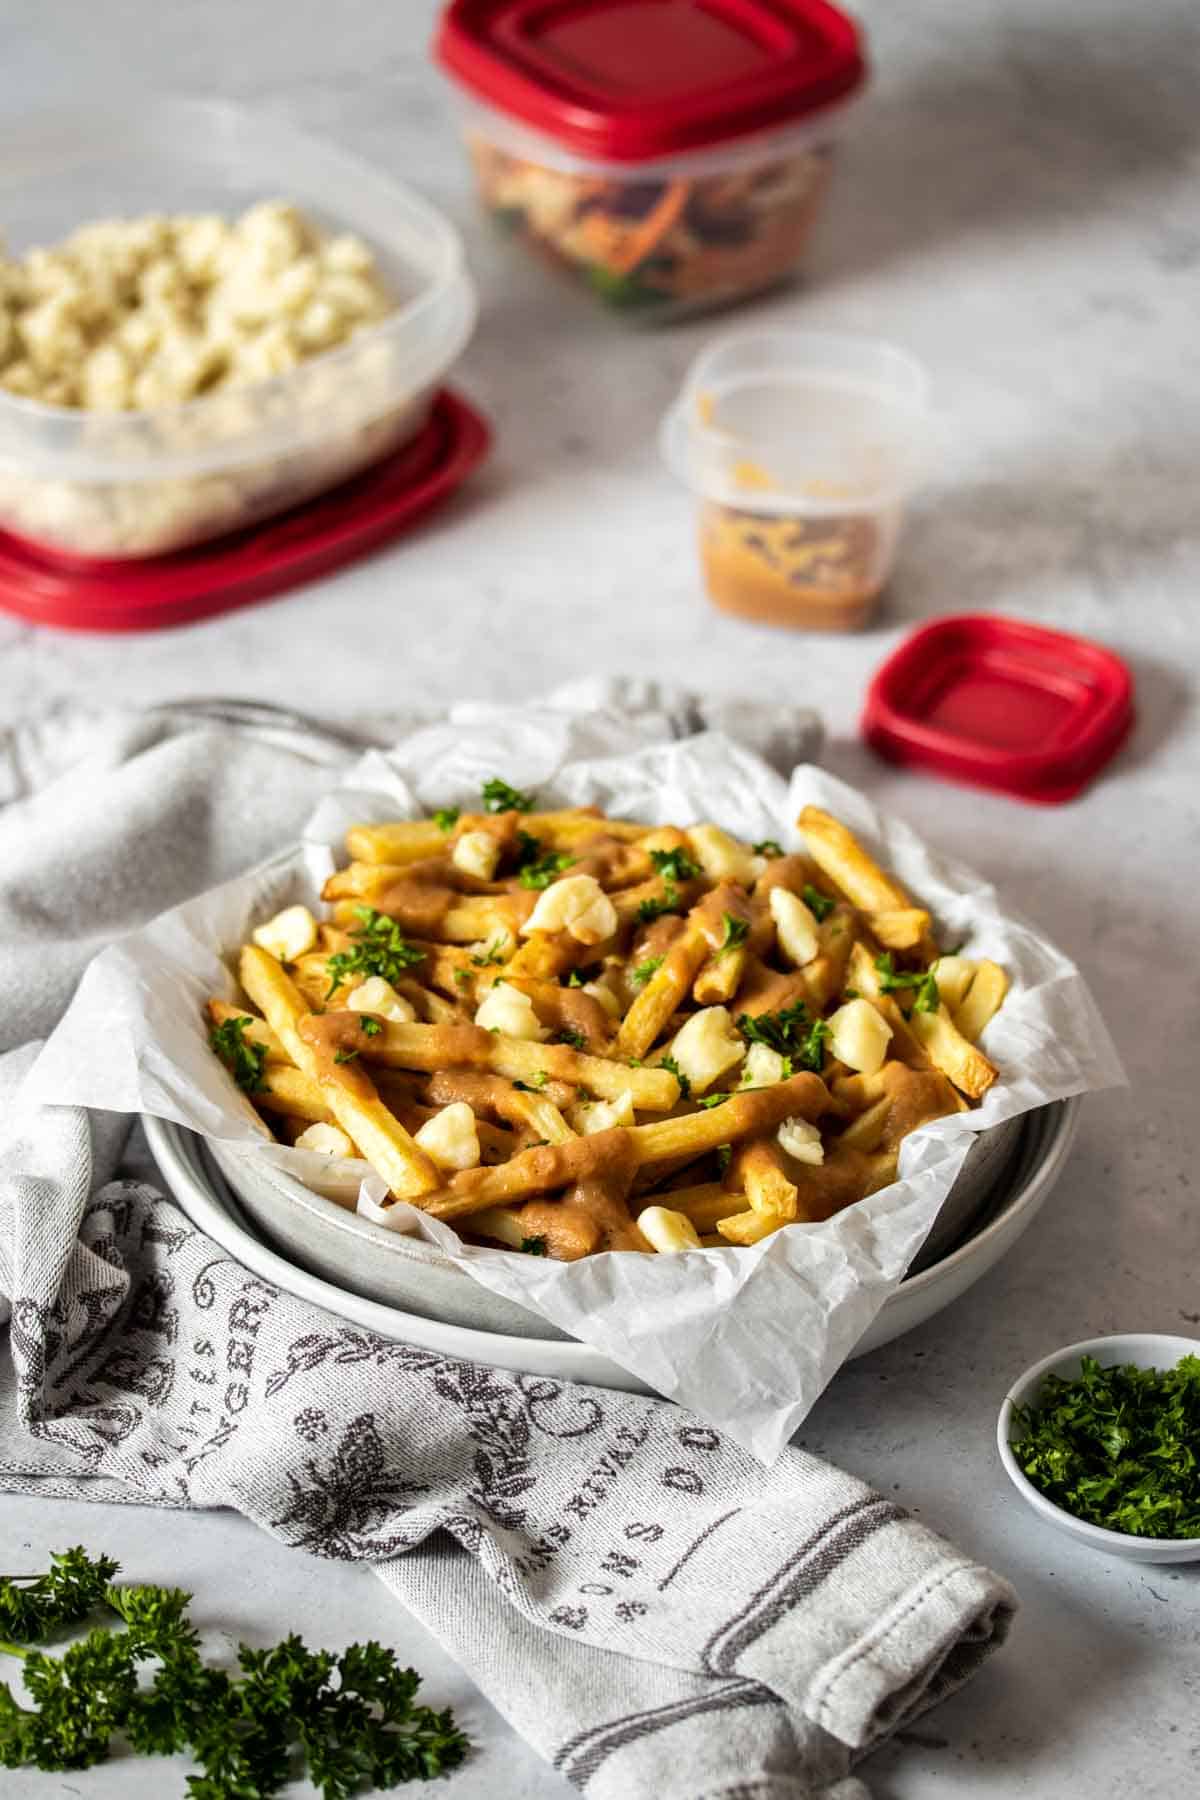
1148	1350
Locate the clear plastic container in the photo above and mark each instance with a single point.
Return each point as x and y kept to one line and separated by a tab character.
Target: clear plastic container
135	484
801	448
667	238
672	156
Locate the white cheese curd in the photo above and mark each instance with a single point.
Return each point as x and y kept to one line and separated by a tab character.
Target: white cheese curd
954	975
801	1140
722	857
375	995
763	1067
668	1230
859	1036
706	1047
450	1137
476	853
589	1116
291	933
326	1140
507	1010
795	927
576	904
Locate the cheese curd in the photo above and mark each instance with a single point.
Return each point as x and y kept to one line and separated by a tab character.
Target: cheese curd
375	995
576	904
507	1010
129	314
451	1138
706	1046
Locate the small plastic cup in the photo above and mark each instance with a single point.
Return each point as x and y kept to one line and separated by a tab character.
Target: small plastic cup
802	449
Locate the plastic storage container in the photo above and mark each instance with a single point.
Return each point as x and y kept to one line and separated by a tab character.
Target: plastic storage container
801	448
672	154
134	484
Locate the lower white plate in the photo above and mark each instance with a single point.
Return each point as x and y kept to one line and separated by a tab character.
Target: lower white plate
190	1174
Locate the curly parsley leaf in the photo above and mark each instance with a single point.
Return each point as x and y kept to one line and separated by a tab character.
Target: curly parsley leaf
1118	1447
446	818
768	847
792	1033
537	868
736	933
675	865
380	948
372	1027
894	981
534	1246
243	1058
640	976
499	797
724	1155
818	904
685	1086
351	1717
570	1034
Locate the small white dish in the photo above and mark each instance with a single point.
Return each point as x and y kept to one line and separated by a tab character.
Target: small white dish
1147	1350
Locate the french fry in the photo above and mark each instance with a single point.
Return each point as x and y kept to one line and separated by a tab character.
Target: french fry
720	977
842	858
705	1204
948	1050
802	1096
351	1096
758	1167
901	928
287	1090
469	919
825	976
402	841
864	976
541	1116
749	1227
501	1223
866	1131
985	996
433	1047
650	1013
541	1170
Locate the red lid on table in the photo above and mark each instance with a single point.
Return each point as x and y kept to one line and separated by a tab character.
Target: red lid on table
632	80
76	594
1001	704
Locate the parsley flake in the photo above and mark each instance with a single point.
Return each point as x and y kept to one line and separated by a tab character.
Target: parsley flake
499	797
893	981
345	1056
569	1034
736	933
534	1246
370	1027
724	1155
496	953
446	818
242	1056
768	847
640	976
380	948
792	1033
675	865
818	904
537	868
685	1086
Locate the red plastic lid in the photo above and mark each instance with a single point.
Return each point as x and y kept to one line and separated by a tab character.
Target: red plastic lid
1001	704
47	588
631	80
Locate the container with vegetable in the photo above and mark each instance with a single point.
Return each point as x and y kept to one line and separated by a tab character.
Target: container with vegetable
672	155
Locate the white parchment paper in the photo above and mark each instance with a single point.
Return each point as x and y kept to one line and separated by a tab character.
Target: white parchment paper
748	1338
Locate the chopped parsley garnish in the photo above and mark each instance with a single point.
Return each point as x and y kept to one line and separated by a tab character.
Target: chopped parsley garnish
534	1246
685	1086
370	1027
499	797
736	933
724	1154
649	910
708	1100
768	847
792	1033
140	1677
640	976
569	1034
1119	1447
381	948
446	818
535	1083
581	977
496	953
818	904
345	1056
463	977
893	981
536	867
244	1059
675	865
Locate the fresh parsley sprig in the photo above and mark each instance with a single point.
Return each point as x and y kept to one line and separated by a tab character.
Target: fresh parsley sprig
446	818
792	1033
641	975
243	1058
736	933
352	1717
818	904
895	981
536	866
499	797
380	948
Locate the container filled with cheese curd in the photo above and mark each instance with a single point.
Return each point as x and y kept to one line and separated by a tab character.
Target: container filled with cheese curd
802	449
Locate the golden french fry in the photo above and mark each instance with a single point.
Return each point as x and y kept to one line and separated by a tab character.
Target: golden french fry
501	1223
704	1204
541	1116
749	1227
758	1166
402	841
864	976
651	1011
720	977
965	1065
286	1090
351	1095
802	1096
865	1132
902	928
825	976
842	858
984	998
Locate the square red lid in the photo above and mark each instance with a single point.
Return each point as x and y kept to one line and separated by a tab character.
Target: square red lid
632	80
1001	704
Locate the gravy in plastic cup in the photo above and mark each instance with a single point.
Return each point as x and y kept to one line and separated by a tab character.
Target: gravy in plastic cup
802	448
